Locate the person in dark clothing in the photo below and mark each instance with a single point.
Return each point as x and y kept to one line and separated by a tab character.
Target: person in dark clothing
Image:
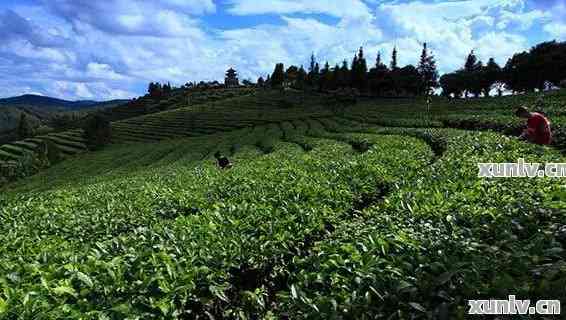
222	161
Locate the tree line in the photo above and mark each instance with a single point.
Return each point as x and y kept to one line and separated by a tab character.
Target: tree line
158	90
540	68
377	79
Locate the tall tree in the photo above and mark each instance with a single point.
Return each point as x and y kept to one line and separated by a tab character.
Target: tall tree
301	78
394	59
548	63
167	89
325	77
359	71
315	76
472	71
379	78
155	90
471	61
490	74
311	74
410	80
427	72
345	75
453	84
337	76
278	76
291	76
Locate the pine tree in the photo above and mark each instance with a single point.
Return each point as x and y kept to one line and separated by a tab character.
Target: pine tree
311	75
312	64
359	71
345	74
325	77
315	76
353	71
378	60
427	72
471	62
336	76
472	72
394	59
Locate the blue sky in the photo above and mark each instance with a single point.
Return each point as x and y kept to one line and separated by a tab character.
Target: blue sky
107	49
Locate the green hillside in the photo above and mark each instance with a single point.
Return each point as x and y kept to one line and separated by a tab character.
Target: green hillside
72	141
372	210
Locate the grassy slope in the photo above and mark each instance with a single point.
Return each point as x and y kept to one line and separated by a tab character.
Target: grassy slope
155	230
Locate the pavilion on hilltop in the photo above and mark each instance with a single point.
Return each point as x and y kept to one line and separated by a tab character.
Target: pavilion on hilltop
231	79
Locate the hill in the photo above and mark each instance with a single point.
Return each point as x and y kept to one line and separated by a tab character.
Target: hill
37	101
42	110
366	211
180	104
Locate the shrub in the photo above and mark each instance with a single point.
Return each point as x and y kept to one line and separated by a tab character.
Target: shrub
164	105
97	131
48	153
25	128
27	165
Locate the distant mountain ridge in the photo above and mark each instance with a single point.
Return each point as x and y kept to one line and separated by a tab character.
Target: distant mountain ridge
49	102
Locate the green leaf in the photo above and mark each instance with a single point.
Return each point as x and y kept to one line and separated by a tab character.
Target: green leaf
3	306
294	292
417	306
85	279
62	290
445	277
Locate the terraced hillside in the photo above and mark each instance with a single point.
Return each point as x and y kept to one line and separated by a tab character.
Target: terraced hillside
178	98
323	215
71	142
262	107
496	113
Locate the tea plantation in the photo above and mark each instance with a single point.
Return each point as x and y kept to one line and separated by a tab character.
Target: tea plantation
368	211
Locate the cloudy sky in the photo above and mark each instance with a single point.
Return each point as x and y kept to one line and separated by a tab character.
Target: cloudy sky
107	49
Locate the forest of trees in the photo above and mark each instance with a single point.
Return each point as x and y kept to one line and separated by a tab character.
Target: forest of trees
157	90
544	66
377	79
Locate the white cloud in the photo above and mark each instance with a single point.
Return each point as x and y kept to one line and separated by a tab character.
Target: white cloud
102	71
336	8
110	49
165	18
524	21
83	91
453	28
499	46
557	30
256	50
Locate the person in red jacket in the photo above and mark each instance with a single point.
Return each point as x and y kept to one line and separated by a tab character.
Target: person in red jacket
538	127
